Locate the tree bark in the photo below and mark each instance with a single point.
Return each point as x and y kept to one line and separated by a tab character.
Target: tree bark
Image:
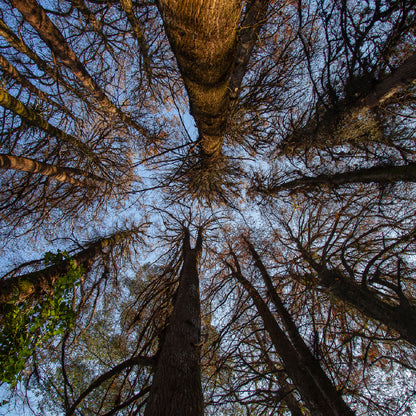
62	174
212	55
404	75
176	389
312	365
36	16
376	174
296	364
35	284
401	318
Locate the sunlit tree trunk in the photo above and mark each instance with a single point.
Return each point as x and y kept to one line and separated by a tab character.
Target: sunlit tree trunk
176	388
36	16
212	54
35	284
69	175
404	75
203	37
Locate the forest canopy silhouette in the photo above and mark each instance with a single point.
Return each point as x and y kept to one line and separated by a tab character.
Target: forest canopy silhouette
207	207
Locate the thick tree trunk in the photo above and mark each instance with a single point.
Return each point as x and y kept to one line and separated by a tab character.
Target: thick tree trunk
203	37
61	174
376	174
298	366
212	55
289	398
401	318
176	389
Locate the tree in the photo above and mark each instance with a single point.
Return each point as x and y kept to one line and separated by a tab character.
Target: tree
278	134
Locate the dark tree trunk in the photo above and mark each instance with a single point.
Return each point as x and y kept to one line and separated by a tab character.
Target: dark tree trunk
401	318
298	364
311	363
176	389
376	174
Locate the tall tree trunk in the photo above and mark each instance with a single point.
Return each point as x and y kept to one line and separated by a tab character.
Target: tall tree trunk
203	37
62	174
176	389
212	55
312	365
36	16
289	398
404	75
35	284
376	174
34	119
297	364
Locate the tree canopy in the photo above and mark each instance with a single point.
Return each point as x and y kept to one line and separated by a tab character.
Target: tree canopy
207	207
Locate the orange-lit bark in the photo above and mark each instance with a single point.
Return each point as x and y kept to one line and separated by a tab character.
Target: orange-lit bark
62	174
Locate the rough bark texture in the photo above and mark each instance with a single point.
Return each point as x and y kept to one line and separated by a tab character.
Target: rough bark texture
296	365
212	55
61	174
176	389
401	318
203	37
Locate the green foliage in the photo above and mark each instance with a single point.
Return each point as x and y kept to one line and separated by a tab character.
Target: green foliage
27	325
